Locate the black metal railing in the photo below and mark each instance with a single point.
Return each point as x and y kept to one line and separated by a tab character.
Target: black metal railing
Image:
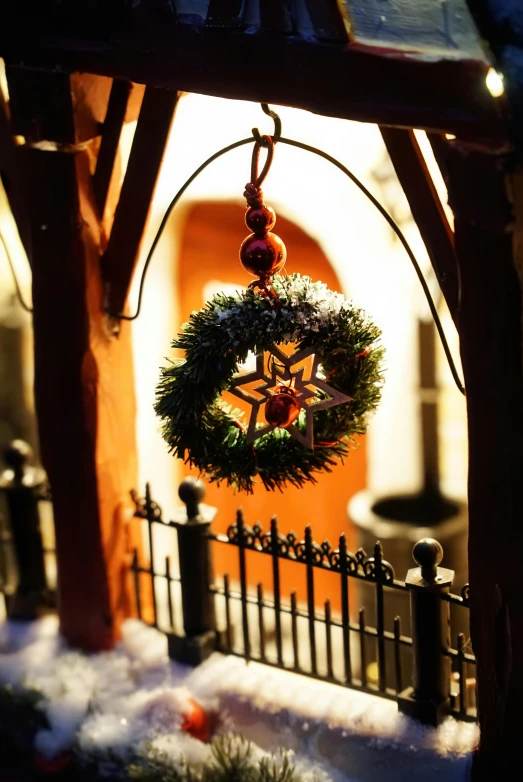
260	623
7	562
27	565
146	508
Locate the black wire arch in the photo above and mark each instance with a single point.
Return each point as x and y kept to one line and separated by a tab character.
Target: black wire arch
257	139
181	191
277	138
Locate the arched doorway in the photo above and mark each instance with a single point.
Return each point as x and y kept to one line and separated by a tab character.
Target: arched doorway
208	261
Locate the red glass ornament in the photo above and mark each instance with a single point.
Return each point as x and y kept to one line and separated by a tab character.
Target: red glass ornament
196	723
260	219
52	766
283	408
263	255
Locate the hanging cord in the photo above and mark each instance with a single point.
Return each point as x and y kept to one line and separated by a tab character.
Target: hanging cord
19	295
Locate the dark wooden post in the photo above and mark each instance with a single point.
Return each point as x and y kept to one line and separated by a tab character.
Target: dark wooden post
24	486
487	226
84	388
196	575
428	699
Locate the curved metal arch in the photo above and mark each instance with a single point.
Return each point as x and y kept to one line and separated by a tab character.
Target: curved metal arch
257	139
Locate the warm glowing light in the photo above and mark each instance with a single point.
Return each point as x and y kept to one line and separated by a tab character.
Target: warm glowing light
372	673
450	136
435	172
212	287
495	83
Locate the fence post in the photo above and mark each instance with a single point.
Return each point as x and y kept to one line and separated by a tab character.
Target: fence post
428	700
196	576
23	486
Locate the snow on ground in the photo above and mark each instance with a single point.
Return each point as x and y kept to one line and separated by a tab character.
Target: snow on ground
115	700
362	735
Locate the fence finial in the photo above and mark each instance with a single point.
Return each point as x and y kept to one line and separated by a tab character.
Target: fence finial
16	456
192	492
196	578
428	553
428	699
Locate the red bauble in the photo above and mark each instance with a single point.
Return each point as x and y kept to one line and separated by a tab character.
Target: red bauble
263	255
283	408
53	766
260	219
196	723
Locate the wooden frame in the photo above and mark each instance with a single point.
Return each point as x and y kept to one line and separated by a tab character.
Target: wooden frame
364	76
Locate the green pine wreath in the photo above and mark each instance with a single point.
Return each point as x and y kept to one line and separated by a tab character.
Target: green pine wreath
202	429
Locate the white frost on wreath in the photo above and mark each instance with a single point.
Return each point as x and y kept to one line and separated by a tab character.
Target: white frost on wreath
313	305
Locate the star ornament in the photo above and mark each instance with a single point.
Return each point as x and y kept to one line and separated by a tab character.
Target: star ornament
282	370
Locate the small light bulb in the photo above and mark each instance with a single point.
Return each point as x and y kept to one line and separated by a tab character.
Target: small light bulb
495	83
450	136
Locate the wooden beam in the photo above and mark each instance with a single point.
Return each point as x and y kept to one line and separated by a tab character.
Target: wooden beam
111	132
124	106
359	82
132	211
426	208
66	109
83	386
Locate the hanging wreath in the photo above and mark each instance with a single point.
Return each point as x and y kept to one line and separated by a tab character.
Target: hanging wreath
324	411
311	414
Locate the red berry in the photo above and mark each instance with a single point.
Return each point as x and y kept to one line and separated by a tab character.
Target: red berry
283	408
196	723
52	766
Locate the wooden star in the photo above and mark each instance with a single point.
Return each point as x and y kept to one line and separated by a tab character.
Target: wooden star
280	369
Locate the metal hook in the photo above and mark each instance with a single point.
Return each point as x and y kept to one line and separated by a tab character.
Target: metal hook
277	126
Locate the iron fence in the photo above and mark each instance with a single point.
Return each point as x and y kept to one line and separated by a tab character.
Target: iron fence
27	558
147	509
7	564
426	674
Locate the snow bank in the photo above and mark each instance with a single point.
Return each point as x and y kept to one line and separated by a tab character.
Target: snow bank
110	703
360	734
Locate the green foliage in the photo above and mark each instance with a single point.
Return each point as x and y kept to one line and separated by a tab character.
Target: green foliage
20	710
200	428
232	759
102	762
153	766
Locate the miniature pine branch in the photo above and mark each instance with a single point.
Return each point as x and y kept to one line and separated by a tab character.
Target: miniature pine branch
202	430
